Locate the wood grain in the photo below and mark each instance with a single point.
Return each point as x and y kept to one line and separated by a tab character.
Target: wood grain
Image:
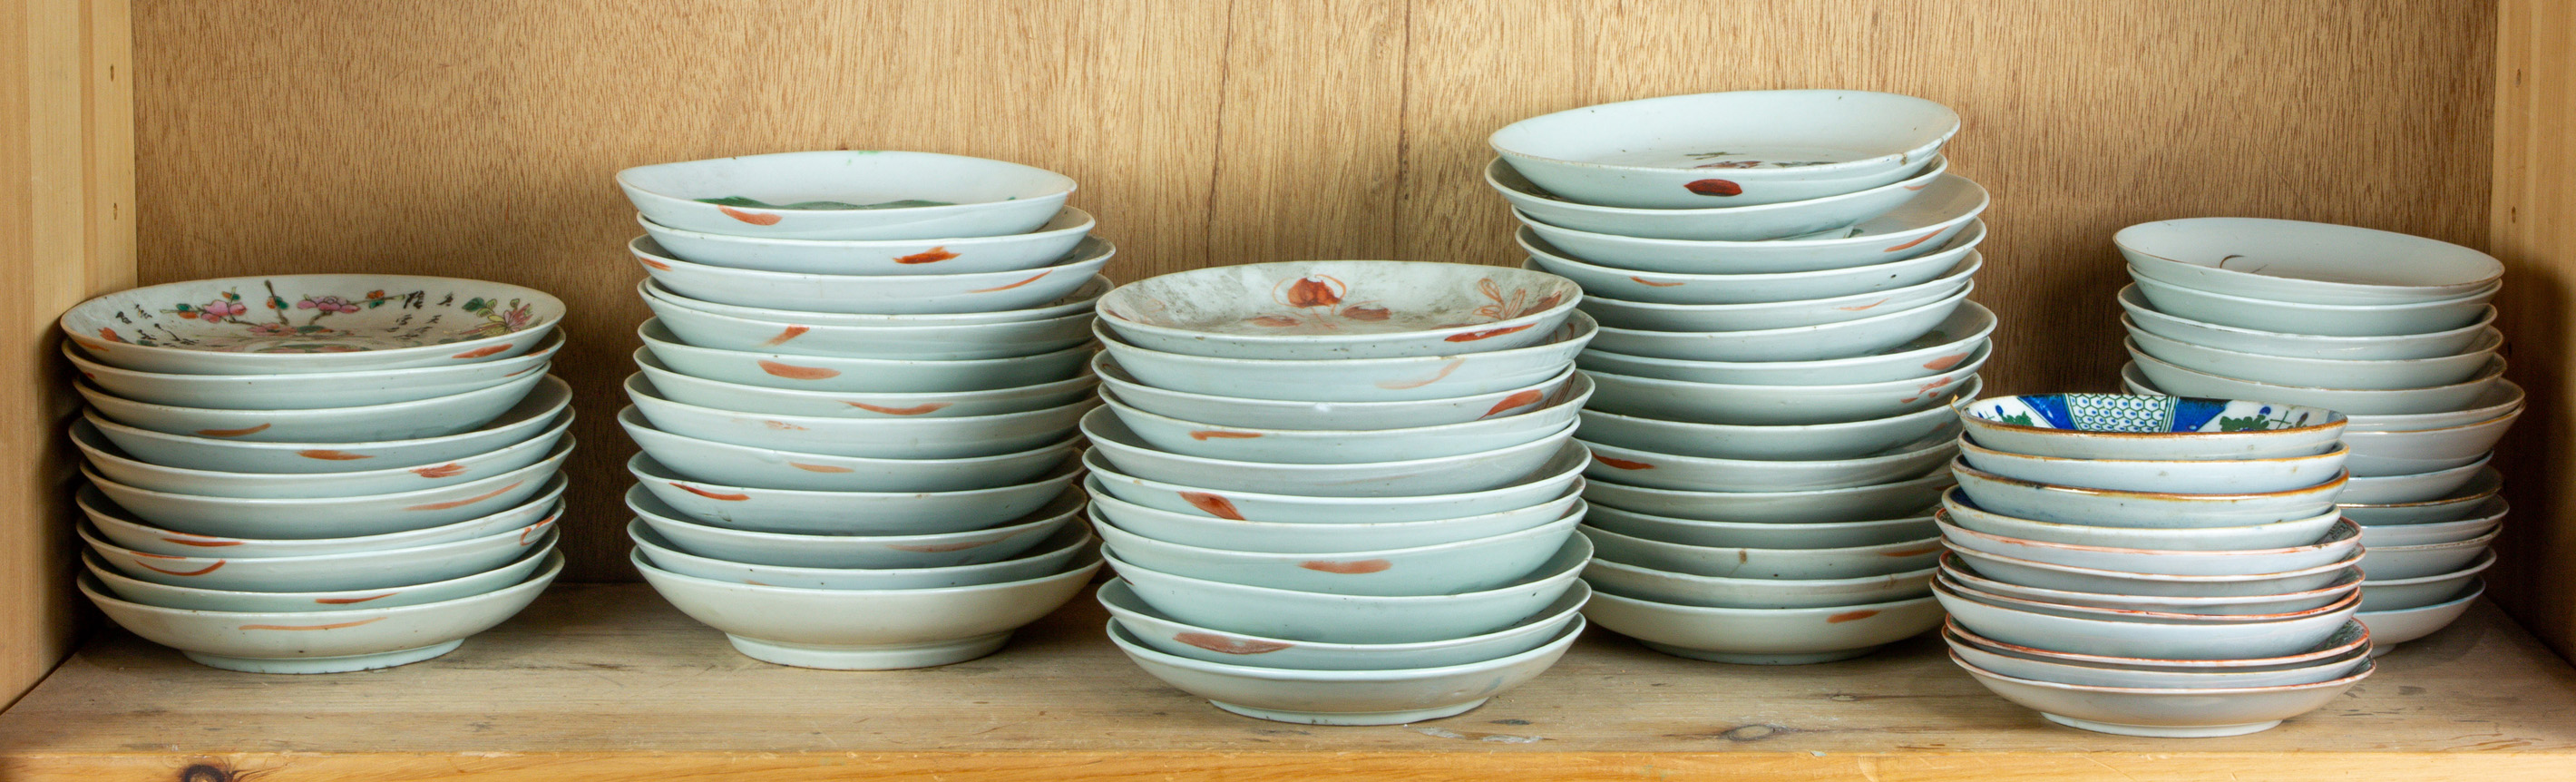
2533	229
478	138
608	682
66	233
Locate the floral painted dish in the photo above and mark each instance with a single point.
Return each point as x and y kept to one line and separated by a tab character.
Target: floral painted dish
1340	309
297	323
1722	149
1815	218
850	194
2127	426
886	257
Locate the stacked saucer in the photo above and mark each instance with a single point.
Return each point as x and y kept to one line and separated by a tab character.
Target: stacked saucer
2153	566
2390	329
318	473
1781	279
857	401
1341	492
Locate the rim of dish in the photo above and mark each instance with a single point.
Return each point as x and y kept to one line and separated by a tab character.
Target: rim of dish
1528	624
2333	419
2478	295
1881	607
2353	562
1574	453
1063	470
2368	667
2127	292
1070	185
1953	565
2344	532
2487	374
2360	640
1967	388
2490	337
1962	244
1092	252
1793	584
2174	224
1555	401
551	565
1960	273
545	321
1836	551
1573	294
2350	601
1939	167
1961	466
1578	330
2490	491
1082	566
2339	450
2476	566
1970	504
1085	226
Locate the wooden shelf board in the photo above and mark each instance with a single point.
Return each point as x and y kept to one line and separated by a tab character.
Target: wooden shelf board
606	681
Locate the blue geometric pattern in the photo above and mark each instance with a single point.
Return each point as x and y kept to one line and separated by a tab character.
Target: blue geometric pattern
2141	414
2120	413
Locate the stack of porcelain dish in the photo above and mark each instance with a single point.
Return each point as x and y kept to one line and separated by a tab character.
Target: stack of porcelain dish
2389	329
1781	279
322	472
858	400
1342	492
2150	565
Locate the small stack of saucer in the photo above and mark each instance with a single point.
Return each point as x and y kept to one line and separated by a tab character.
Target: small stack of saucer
2390	329
2151	565
318	473
1341	492
1781	280
858	400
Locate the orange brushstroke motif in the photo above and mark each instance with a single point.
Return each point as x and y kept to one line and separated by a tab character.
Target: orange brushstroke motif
1223	645
653	263
818	467
331	626
928	407
219	564
341	601
201	542
753	218
467	501
1652	283
1918	240
1219	507
1354	567
1204	435
932	255
1472	336
1515	400
1945	362
1912	552
792	332
1850	616
1445	369
448	470
794	372
709	494
481	352
233	432
1041	275
1624	464
1859	307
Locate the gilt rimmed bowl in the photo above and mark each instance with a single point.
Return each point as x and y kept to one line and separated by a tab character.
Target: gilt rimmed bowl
2157	712
299	323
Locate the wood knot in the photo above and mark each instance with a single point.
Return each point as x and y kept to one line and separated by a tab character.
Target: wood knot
1754	732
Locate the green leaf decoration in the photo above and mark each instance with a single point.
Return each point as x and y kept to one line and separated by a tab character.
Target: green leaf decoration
809	205
232	296
2018	420
187	308
2251	423
277	303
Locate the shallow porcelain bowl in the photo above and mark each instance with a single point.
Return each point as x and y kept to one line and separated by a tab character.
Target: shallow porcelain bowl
1343	446
1756	222
1293	615
422	418
933	342
1942	349
1468	472
2279	534
1726	403
871	375
959	255
348	639
2167	713
2485	518
336	517
1389	696
850	512
1340	309
1321	535
2346	602
2499	399
868	629
2163	510
1695	473
741	465
123	529
2391	627
300	323
1780	563
1792	442
1078	302
2188	476
2064	578
376	569
2427	559
2148	427
1651	315
312	389
847	195
1679	287
1764	636
739	397
2411	452
1438	569
1310	416
2338	544
2406	489
2365	374
1942	219
1166	635
1848	339
541	411
1955	568
1684	589
1754	534
1355	379
2352	402
2345	641
2339	320
160	595
2216	640
2002	661
862	562
895	295
2275	343
2391	594
2453	506
108	460
891	436
1881	501
1673	151
2298	261
1550	482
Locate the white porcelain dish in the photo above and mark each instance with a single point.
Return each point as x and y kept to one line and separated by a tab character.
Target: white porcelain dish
2168	713
1811	442
1754	534
1738	223
2399	625
1690	286
1881	501
2437	399
933	342
108	460
2403	489
1776	405
148	593
1462	473
543	410
848	512
885	437
2499	399
2065	578
2298	261
1727	148
2148	427
2167	510
312	389
957	255
863	562
1955	568
2453	506
1164	634
336	517
347	570
880	295
2391	594
2334	320
1078	302
301	323
2363	374
1355	379
1940	350
1684	589
1848	339
352	639
2346	641
1657	314
1942	218
2184	476
423	418
1311	416
2377	454
1323	535
869	375
847	195
2339	543
1371	697
2484	519
1779	563
2215	640
1356	619
1552	480
2417	561
867	629
1339	309
2276	343
1693	473
1344	446
123	529
2001	661
766	468
1764	636
1439	569
766	400
2279	534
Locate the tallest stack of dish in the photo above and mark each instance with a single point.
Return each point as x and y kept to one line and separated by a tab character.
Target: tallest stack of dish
1781	279
858	399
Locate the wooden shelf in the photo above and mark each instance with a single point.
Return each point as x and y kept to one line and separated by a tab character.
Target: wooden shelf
607	682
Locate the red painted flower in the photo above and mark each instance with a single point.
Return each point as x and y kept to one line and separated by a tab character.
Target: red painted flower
1315	291
1715	187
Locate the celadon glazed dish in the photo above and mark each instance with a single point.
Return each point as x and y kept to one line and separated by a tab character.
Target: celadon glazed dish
311	389
1750	288
349	639
914	293
1340	309
2296	261
1941	219
543	409
296	323
1756	222
885	257
1346	697
848	195
1727	148
868	629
